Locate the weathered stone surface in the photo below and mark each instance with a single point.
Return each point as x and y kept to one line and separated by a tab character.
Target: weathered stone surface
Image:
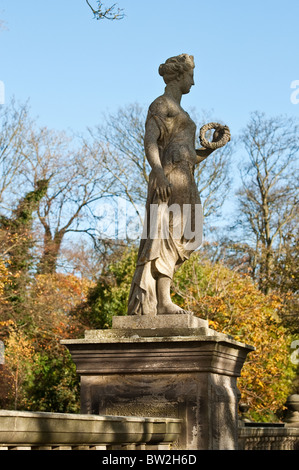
292	412
42	428
160	321
145	326
268	438
191	377
124	350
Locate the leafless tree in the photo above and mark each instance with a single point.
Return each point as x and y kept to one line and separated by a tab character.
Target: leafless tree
268	198
77	180
121	141
15	125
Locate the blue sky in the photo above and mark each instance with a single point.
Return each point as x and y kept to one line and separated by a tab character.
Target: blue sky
73	68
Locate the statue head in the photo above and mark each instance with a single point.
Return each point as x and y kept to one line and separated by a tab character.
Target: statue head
175	67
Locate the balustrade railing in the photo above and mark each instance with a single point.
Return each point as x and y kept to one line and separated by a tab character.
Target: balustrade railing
20	430
268	438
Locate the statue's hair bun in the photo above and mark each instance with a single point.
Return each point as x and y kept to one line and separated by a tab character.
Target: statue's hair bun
175	66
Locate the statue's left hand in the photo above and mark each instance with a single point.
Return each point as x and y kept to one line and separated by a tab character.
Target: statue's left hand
162	185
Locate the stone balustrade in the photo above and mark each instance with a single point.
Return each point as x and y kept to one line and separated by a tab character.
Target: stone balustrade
21	430
268	438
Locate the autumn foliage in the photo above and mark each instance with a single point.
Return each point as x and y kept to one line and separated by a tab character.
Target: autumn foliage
50	303
233	305
38	373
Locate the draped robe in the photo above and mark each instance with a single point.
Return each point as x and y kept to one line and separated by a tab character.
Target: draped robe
172	230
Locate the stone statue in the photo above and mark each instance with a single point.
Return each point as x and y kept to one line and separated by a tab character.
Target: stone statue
173	221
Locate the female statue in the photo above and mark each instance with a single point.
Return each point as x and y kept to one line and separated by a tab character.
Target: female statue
169	144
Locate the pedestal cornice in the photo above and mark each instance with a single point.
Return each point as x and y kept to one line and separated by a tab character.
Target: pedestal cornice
163	349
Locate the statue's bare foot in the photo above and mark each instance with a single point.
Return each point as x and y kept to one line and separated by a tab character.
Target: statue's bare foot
172	309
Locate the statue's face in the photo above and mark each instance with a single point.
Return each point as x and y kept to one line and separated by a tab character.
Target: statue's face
186	81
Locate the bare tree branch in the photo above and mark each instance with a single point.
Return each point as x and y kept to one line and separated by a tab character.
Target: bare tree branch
107	13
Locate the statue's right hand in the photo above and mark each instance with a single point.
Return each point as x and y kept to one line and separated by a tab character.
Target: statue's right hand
162	185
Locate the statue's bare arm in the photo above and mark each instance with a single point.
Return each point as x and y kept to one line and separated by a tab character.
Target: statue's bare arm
202	154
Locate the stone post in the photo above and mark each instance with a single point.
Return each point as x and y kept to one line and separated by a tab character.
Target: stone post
292	412
168	365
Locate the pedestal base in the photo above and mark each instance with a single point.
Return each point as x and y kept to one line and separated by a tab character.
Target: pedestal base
183	370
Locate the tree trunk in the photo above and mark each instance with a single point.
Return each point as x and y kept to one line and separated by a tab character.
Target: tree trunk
52	245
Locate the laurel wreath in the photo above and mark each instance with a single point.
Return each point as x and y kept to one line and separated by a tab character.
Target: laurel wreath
222	133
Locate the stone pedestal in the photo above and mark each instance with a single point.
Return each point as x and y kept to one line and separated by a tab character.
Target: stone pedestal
170	366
